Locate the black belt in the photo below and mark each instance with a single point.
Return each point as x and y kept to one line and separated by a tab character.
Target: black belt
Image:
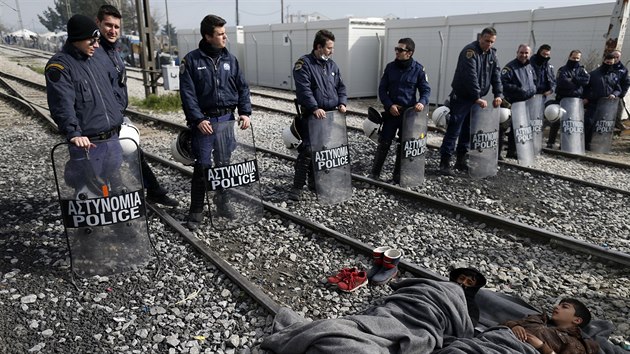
218	112
104	135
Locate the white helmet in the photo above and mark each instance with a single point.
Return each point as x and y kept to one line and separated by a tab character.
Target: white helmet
553	112
290	140
441	116
181	148
371	130
504	114
129	137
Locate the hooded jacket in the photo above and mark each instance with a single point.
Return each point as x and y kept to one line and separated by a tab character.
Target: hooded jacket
555	339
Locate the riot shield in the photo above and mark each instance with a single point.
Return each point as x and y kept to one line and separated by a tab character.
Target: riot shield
331	158
536	108
572	125
484	142
523	135
102	206
413	147
604	124
233	188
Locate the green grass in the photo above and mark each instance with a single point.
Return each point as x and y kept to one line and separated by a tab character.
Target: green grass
164	103
37	69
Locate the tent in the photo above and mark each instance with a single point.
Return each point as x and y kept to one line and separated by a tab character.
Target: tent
52	35
23	33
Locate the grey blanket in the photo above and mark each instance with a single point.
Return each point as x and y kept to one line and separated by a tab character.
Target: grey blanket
422	316
417	318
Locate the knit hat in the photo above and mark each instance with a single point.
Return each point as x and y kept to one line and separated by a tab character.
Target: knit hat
81	27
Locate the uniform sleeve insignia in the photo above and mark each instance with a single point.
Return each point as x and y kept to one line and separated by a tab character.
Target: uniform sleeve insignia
182	67
426	77
298	65
470	53
505	71
53	71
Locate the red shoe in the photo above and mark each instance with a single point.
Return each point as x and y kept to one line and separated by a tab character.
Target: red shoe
353	282
343	274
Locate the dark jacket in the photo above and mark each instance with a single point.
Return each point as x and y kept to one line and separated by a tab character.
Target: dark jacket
545	77
206	86
80	96
518	79
475	72
318	84
399	84
109	54
560	340
624	78
571	80
604	81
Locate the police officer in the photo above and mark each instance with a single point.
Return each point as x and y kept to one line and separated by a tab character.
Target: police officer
624	76
603	82
212	86
572	77
477	69
319	88
397	91
519	84
545	76
82	102
108	21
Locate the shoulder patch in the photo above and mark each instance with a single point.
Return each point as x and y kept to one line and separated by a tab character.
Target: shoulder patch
505	70
470	53
54	65
182	67
53	71
298	64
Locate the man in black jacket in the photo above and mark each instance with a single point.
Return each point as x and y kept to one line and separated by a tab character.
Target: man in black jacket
519	84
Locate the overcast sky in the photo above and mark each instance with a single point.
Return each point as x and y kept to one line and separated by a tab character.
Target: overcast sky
187	14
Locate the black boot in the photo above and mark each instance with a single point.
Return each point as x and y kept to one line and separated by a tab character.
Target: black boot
379	159
445	165
302	167
222	201
197	197
397	164
461	163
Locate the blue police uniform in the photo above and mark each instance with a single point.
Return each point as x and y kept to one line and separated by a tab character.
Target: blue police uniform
211	88
318	85
211	91
82	103
476	71
80	97
572	77
108	54
519	84
399	84
519	81
604	81
545	77
624	78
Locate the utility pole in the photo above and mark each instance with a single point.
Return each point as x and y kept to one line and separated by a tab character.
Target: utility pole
168	30
617	27
68	9
145	31
237	22
19	13
281	11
